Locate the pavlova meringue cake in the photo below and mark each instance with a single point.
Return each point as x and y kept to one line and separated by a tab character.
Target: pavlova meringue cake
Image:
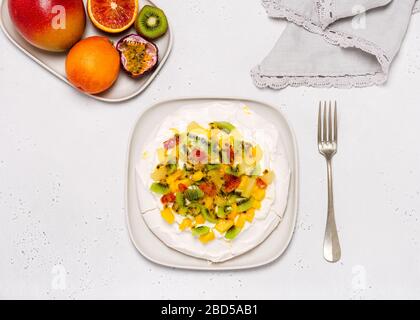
214	182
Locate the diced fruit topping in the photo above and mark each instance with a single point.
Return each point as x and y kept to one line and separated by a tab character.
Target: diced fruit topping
223	225
244	205
223	125
159	188
200	231
209	188
205	238
168	198
220	195
185	224
240	221
193	194
232	233
168	215
231	182
199	219
261	183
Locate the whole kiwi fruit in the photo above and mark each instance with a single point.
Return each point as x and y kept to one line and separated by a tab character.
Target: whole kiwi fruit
151	22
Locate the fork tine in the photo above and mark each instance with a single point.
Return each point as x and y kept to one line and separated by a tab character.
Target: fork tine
319	122
324	129
335	122
330	126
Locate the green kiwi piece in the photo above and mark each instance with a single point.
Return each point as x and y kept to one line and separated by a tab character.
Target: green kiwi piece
159	188
223	125
151	23
193	194
232	233
209	216
210	167
199	231
244	205
180	200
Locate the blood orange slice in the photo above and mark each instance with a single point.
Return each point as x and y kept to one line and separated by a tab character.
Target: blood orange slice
112	15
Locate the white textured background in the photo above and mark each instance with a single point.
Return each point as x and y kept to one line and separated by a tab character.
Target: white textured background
62	158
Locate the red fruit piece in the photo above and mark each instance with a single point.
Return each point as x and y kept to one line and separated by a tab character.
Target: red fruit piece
231	182
168	198
261	184
182	187
208	188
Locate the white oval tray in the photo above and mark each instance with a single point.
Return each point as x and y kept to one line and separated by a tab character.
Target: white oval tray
124	88
155	250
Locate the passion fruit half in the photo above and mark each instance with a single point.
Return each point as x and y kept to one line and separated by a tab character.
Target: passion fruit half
138	56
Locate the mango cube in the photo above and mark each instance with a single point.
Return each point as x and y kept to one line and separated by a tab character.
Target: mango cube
240	221
199	219
207	237
186	223
168	215
223	225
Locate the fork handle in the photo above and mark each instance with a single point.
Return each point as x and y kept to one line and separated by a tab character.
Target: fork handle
332	250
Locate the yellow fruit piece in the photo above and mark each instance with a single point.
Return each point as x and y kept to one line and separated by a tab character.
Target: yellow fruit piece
197	176
258	194
207	237
249	215
240	221
173	177
199	219
185	182
208	202
244	183
256	204
159	173
232	215
186	223
268	177
168	215
223	225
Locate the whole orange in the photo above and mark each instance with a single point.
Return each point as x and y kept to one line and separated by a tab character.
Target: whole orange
93	64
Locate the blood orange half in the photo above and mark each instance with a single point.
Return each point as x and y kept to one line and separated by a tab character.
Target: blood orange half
112	15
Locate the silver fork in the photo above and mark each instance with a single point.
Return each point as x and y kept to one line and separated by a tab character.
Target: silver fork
327	146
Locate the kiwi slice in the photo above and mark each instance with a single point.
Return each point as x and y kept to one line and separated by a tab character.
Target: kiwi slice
151	23
200	231
232	233
159	188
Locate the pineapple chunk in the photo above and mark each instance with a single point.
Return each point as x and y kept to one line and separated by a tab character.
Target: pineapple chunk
240	221
256	204
173	177
208	202
268	177
232	215
258	194
249	215
185	224
199	219
197	176
223	225
168	215
207	237
159	173
247	190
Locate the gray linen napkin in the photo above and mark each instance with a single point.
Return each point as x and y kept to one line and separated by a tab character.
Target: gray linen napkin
334	43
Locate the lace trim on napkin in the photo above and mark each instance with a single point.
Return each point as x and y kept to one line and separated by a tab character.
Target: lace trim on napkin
325	10
275	9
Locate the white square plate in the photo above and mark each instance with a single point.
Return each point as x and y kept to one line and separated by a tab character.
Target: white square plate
155	250
124	88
